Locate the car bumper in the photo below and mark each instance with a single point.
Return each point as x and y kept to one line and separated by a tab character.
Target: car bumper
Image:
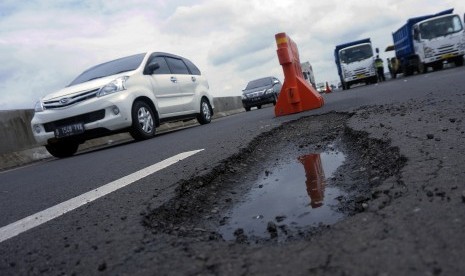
264	99
110	113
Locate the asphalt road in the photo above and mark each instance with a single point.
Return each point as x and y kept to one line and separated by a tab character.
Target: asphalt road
111	225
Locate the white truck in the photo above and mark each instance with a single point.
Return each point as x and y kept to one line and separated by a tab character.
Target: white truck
307	71
355	63
428	41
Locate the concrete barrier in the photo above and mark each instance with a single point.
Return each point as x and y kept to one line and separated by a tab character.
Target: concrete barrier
19	147
226	105
15	130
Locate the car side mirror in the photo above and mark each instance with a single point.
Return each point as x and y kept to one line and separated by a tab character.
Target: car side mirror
275	82
152	67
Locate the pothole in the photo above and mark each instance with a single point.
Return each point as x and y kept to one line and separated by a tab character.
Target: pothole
241	200
290	196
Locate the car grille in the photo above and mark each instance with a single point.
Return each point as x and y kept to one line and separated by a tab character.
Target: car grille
83	118
254	94
445	49
67	101
361	71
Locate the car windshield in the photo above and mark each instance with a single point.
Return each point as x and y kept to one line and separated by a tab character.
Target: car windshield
440	27
258	83
113	67
356	53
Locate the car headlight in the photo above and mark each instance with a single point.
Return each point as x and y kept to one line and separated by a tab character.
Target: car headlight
39	107
428	52
346	73
269	91
244	97
116	85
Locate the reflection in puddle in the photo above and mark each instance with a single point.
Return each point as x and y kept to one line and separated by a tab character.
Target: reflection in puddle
291	195
315	178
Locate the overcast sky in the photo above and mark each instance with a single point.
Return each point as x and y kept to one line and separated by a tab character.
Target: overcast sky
44	44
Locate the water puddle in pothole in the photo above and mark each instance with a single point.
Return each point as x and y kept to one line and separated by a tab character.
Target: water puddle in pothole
292	195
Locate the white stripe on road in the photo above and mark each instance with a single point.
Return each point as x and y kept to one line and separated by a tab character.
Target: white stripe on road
39	218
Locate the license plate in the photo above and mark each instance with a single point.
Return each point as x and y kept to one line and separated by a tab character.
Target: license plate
359	76
447	56
69	130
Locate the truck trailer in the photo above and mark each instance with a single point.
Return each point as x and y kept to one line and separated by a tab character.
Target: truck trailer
355	63
307	71
428	41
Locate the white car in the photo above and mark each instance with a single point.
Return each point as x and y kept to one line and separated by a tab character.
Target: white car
132	94
320	87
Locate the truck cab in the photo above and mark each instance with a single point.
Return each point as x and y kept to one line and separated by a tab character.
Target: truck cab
355	62
429	41
439	39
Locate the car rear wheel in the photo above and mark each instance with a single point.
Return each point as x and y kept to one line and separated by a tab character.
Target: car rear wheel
143	126
205	115
247	108
259	106
62	149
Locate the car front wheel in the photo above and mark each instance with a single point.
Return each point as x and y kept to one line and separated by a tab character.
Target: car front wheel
143	125
62	149
205	115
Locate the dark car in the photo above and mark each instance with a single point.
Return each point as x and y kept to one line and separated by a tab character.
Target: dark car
261	91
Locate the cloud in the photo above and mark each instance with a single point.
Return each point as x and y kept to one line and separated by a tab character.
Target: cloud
231	48
45	44
199	20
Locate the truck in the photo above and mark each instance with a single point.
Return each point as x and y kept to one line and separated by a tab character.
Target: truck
355	63
307	71
428	41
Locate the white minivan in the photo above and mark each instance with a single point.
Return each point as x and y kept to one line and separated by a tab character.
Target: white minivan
132	94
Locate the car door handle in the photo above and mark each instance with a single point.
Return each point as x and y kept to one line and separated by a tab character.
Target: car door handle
193	79
174	80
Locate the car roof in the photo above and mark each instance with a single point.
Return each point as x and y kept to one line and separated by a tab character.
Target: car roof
264	78
167	55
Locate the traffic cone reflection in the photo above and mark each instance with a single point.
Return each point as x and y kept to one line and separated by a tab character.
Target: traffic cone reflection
315	178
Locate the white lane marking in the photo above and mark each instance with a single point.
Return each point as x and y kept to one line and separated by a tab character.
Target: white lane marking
39	218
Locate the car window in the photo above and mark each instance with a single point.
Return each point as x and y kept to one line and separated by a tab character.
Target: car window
113	67
258	83
194	70
164	69
177	66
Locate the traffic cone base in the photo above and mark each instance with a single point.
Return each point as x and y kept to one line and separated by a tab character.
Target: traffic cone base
297	99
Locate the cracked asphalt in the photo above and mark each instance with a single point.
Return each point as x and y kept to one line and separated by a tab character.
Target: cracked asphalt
408	221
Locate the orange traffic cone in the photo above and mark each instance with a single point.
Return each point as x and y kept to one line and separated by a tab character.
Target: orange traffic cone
328	89
296	94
